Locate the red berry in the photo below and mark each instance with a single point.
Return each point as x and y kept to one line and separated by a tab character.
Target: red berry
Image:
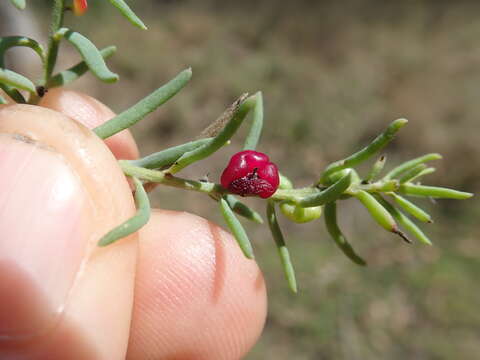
80	7
250	173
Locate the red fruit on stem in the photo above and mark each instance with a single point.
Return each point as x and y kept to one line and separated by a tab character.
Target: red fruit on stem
250	173
80	7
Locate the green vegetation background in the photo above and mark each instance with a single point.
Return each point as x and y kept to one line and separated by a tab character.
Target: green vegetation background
333	74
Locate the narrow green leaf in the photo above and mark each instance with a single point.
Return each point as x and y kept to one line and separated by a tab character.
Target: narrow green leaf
17	81
237	229
424	172
379	213
144	107
2	100
376	168
412	173
8	42
406	166
89	53
168	156
73	73
13	93
19	4
337	236
404	221
330	194
243	210
411	208
376	145
255	132
433	191
281	246
128	13
133	224
237	113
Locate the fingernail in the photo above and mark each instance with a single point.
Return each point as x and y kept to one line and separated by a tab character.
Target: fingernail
43	235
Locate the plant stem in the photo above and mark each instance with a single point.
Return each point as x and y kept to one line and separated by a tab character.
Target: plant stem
52	52
381	186
164	178
210	188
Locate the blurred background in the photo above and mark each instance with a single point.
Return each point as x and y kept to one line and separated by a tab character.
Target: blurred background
333	75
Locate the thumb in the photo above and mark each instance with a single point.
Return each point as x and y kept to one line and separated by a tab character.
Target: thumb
61	191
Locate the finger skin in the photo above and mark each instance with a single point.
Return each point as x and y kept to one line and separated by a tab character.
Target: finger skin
91	113
94	323
196	296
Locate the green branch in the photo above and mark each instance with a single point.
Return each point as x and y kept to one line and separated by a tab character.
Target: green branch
56	24
370	150
67	76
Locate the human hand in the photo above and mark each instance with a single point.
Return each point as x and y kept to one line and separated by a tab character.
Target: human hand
183	291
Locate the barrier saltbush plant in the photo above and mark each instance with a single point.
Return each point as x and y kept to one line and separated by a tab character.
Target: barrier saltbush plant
249	173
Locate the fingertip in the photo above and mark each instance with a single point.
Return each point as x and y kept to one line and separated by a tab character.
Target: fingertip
91	113
64	190
196	295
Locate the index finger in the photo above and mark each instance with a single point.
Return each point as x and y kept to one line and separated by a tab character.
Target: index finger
197	297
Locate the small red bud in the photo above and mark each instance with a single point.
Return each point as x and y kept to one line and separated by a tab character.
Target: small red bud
80	7
250	173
